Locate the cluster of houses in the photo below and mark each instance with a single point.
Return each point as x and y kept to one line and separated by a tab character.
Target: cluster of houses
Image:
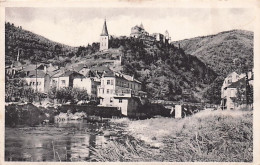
111	88
230	88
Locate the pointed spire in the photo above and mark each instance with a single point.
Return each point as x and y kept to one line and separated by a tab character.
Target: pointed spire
104	31
141	25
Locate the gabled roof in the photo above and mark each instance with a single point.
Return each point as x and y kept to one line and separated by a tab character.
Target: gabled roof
109	74
104	31
55	73
101	69
122	76
69	73
89	73
79	67
17	63
32	67
32	74
238	83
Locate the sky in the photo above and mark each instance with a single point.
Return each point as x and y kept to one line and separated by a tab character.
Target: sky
82	26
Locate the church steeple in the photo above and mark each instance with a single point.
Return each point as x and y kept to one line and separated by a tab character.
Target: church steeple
104	38
141	25
104	31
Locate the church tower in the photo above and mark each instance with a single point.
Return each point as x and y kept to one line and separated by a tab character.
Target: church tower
104	38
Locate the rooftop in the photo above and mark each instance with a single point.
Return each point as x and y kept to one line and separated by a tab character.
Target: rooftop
104	31
241	82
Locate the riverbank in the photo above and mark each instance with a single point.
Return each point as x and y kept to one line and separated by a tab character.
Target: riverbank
222	136
31	115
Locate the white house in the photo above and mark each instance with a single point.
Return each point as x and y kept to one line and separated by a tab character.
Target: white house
87	84
229	89
38	80
122	91
64	79
230	94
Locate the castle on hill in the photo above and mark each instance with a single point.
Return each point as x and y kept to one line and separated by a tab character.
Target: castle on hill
136	32
139	32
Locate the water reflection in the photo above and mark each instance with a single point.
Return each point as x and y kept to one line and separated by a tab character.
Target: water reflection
68	141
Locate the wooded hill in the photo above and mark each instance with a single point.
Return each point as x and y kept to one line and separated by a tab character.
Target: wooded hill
166	71
193	72
224	52
31	46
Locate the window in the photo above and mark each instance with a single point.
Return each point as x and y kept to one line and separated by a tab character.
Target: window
107	91
108	82
229	81
112	82
120	100
33	83
233	93
63	82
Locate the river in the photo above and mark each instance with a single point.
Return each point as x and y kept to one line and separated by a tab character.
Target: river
65	141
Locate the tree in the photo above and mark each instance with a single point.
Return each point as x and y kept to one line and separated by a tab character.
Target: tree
240	95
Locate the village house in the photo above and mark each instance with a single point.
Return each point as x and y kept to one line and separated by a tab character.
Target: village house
88	84
38	80
64	79
122	91
230	87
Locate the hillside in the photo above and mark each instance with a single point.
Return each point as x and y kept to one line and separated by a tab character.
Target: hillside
165	71
31	46
224	52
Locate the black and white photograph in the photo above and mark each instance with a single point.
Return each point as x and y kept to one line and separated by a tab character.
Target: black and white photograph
128	83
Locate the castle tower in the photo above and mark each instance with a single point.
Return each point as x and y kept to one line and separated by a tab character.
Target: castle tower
167	37
104	38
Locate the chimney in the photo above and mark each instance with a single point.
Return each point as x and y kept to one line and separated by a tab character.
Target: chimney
18	55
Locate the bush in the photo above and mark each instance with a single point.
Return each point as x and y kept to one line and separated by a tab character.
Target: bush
68	94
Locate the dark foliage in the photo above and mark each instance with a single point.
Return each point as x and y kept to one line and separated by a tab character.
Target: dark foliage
31	46
164	70
224	52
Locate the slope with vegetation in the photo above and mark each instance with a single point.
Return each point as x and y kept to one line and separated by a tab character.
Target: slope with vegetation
208	136
224	52
165	71
31	46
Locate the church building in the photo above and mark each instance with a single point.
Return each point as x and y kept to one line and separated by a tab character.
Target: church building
104	38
